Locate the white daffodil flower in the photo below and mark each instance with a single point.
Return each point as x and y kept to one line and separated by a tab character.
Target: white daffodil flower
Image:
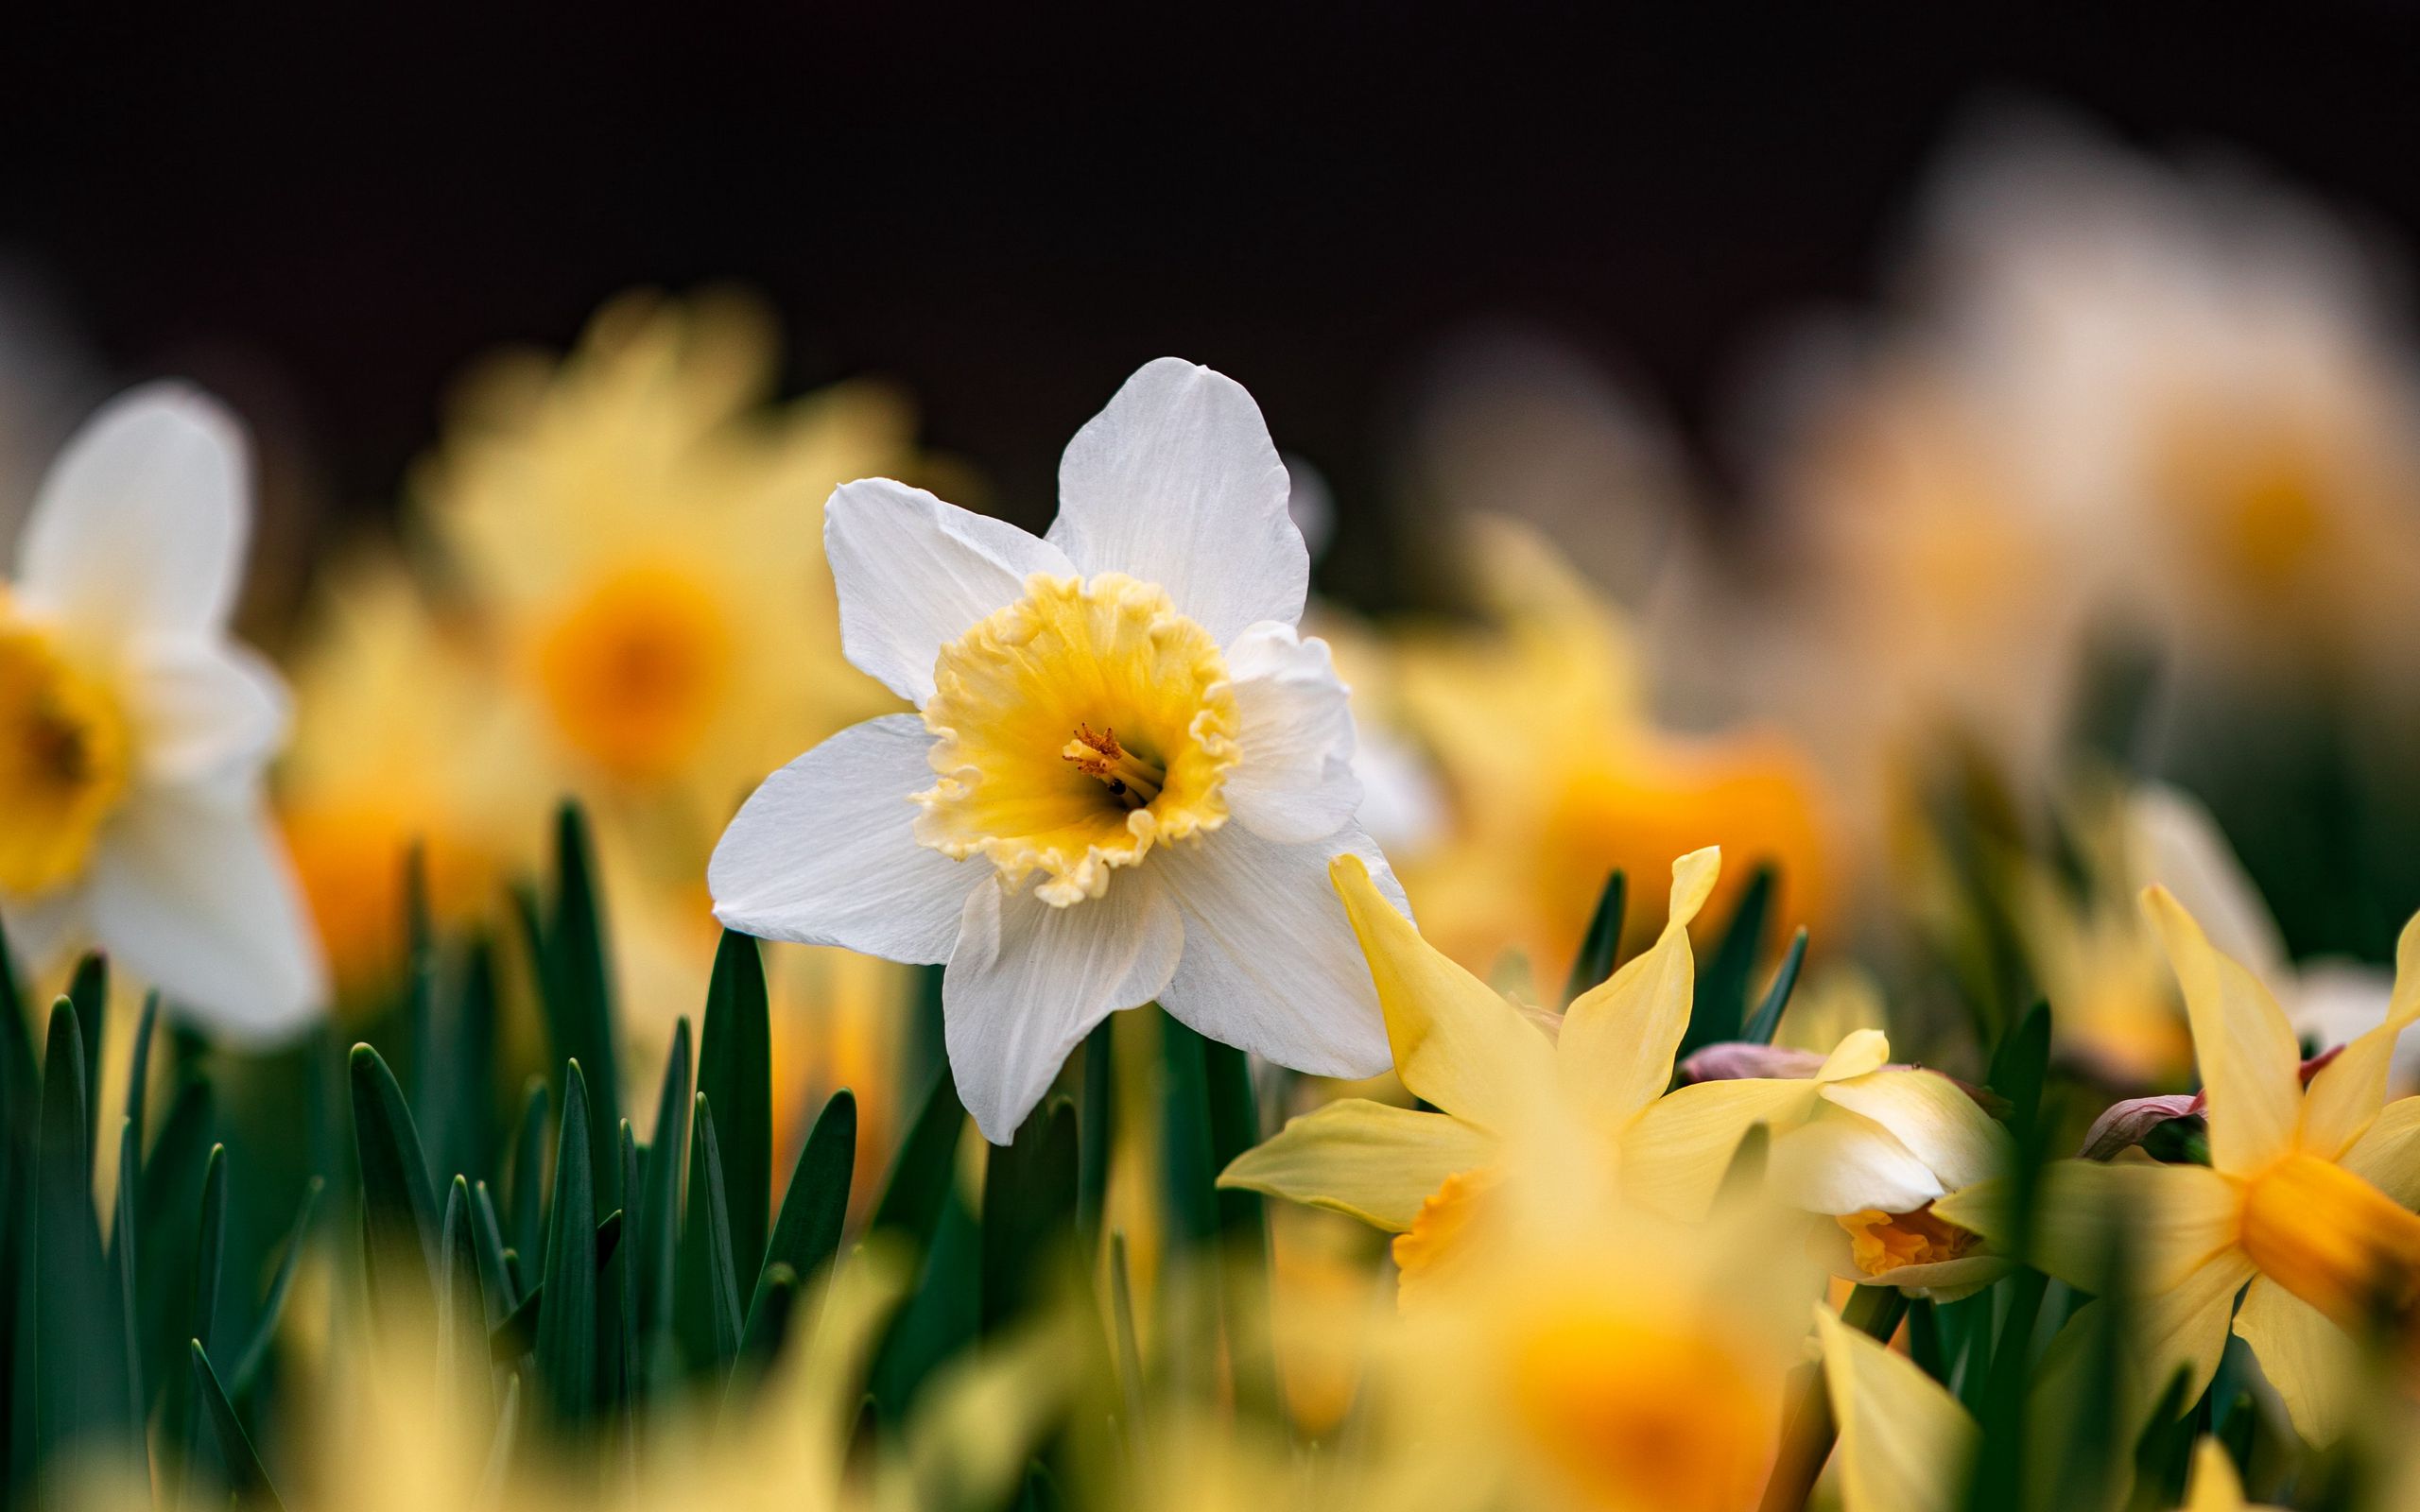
134	731
1128	772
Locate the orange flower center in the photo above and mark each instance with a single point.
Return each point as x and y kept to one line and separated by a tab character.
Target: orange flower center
2333	1240
636	672
1884	1241
63	761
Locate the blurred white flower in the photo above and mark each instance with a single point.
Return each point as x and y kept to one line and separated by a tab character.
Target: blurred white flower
134	731
1095	709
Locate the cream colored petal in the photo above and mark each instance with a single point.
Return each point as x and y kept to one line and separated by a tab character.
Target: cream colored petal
2180	1216
2251	1065
2387	1154
1934	1118
2311	1361
1675	1154
1859	1051
2349	1091
1905	1442
1837	1163
1375	1162
1618	1038
1456	1043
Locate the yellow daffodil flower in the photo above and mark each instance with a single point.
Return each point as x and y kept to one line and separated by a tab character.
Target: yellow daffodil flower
1512	1086
2304	1207
1863	1148
134	730
1556	772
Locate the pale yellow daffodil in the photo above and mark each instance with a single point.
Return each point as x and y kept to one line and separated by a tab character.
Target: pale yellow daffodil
1508	1090
1862	1146
2304	1207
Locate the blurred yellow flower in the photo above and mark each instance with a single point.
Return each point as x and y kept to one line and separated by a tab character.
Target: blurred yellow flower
1556	772
643	540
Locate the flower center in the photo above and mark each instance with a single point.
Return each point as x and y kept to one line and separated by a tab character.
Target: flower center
1883	1242
2333	1240
1076	729
636	671
63	761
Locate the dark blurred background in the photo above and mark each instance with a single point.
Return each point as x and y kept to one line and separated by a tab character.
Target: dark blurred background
326	213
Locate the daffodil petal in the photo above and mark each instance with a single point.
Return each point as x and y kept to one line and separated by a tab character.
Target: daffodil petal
1859	1051
1675	1154
2349	1091
2184	1326
2178	1218
1376	1162
2216	1487
1029	981
914	573
1456	1043
208	714
141	524
1618	1039
1933	1117
1837	1163
197	897
2387	1154
1270	963
1177	483
824	853
2311	1361
1905	1442
2250	1062
1293	779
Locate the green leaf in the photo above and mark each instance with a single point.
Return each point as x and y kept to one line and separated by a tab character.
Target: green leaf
264	1337
138	1074
656	1226
246	1478
1762	1027
709	1287
1600	948
1243	1223
769	1317
1097	1132
515	1333
735	1071
1028	1211
89	989
1188	1148
495	1266
82	1391
940	1318
125	1248
816	1207
566	1351
2020	1065
166	1209
528	1194
399	1212
463	1375
1720	1009
1123	1335
926	1168
578	990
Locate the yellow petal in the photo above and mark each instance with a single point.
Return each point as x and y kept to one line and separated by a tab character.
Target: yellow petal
1456	1043
2177	1216
2349	1091
1376	1162
1934	1118
1905	1442
2251	1065
2186	1326
1859	1052
1618	1038
2308	1359
1675	1154
2215	1487
2387	1154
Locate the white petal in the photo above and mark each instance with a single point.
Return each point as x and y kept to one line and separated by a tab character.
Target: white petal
1294	780
1028	982
198	898
914	573
1837	1163
42	930
1270	964
141	523
1402	804
2181	847
1177	483
208	714
825	852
